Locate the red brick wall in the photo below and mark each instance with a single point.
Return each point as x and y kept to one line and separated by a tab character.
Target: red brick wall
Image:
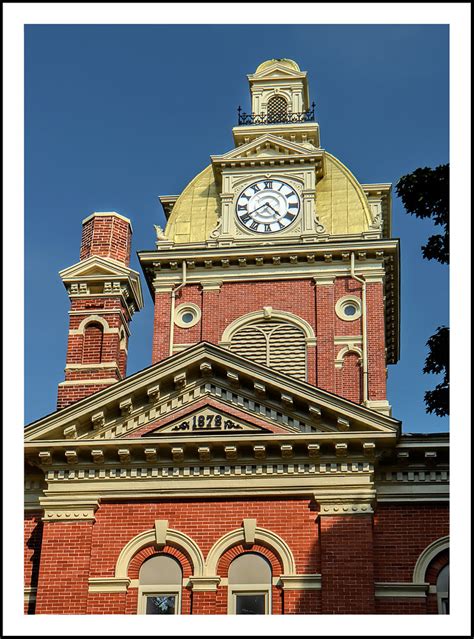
92	344
313	303
106	236
411	527
64	568
347	564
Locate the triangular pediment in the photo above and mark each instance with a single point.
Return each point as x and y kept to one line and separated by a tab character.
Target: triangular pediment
265	146
97	268
208	417
224	382
277	70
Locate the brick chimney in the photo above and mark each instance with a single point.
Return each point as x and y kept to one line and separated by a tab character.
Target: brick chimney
104	294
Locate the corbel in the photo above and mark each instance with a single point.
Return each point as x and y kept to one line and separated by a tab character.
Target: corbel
403	456
276	259
97	456
150	454
287	400
311	258
361	255
259	452
206	369
179	381
70	432
207	263
225	263
153	393
341	449
126	406
259	389
177	454
124	455
98	420
313	450
233	379
345	257
369	449
45	458
174	266
242	261
293	259
204	453
259	261
315	413
430	456
328	257
286	450
230	452
190	264
71	456
342	424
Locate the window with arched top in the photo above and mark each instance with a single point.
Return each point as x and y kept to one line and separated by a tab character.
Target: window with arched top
160	583
442	590
250	583
277	109
93	343
276	344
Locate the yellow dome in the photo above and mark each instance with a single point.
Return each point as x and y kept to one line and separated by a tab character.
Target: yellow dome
341	205
284	61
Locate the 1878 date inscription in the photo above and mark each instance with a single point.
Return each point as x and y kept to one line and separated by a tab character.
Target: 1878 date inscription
207	422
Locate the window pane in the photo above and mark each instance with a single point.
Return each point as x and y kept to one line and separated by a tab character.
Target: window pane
250	605
161	605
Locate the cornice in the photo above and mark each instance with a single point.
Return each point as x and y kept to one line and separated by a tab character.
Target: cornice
208	362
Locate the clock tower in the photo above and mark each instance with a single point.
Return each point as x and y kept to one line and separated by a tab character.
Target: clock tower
276	252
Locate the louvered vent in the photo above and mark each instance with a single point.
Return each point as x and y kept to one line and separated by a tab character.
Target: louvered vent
275	344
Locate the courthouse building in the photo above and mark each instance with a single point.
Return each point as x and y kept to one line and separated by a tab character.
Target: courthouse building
255	467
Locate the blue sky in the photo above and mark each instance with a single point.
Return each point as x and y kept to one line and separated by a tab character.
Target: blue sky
117	115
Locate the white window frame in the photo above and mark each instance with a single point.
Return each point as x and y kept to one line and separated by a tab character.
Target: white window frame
248	589
147	591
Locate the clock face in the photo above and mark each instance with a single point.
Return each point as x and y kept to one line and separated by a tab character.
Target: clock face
268	206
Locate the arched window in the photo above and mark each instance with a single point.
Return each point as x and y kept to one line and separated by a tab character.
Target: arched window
92	345
250	583
278	345
442	591
160	579
277	110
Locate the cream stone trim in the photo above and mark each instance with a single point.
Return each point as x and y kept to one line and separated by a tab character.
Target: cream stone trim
425	558
148	538
204	584
347	339
401	589
380	405
234	537
264	314
72	510
324	279
344	301
89	382
211	286
107	214
345	508
187	307
301	582
89	320
91	366
350	348
30	593
108	584
248	589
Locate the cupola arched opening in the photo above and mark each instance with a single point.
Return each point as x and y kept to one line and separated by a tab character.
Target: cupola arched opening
277	109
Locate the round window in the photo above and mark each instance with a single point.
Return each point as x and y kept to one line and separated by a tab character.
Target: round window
348	308
187	315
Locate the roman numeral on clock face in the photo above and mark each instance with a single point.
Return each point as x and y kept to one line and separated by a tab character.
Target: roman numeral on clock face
268	184
254	226
242	207
255	188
